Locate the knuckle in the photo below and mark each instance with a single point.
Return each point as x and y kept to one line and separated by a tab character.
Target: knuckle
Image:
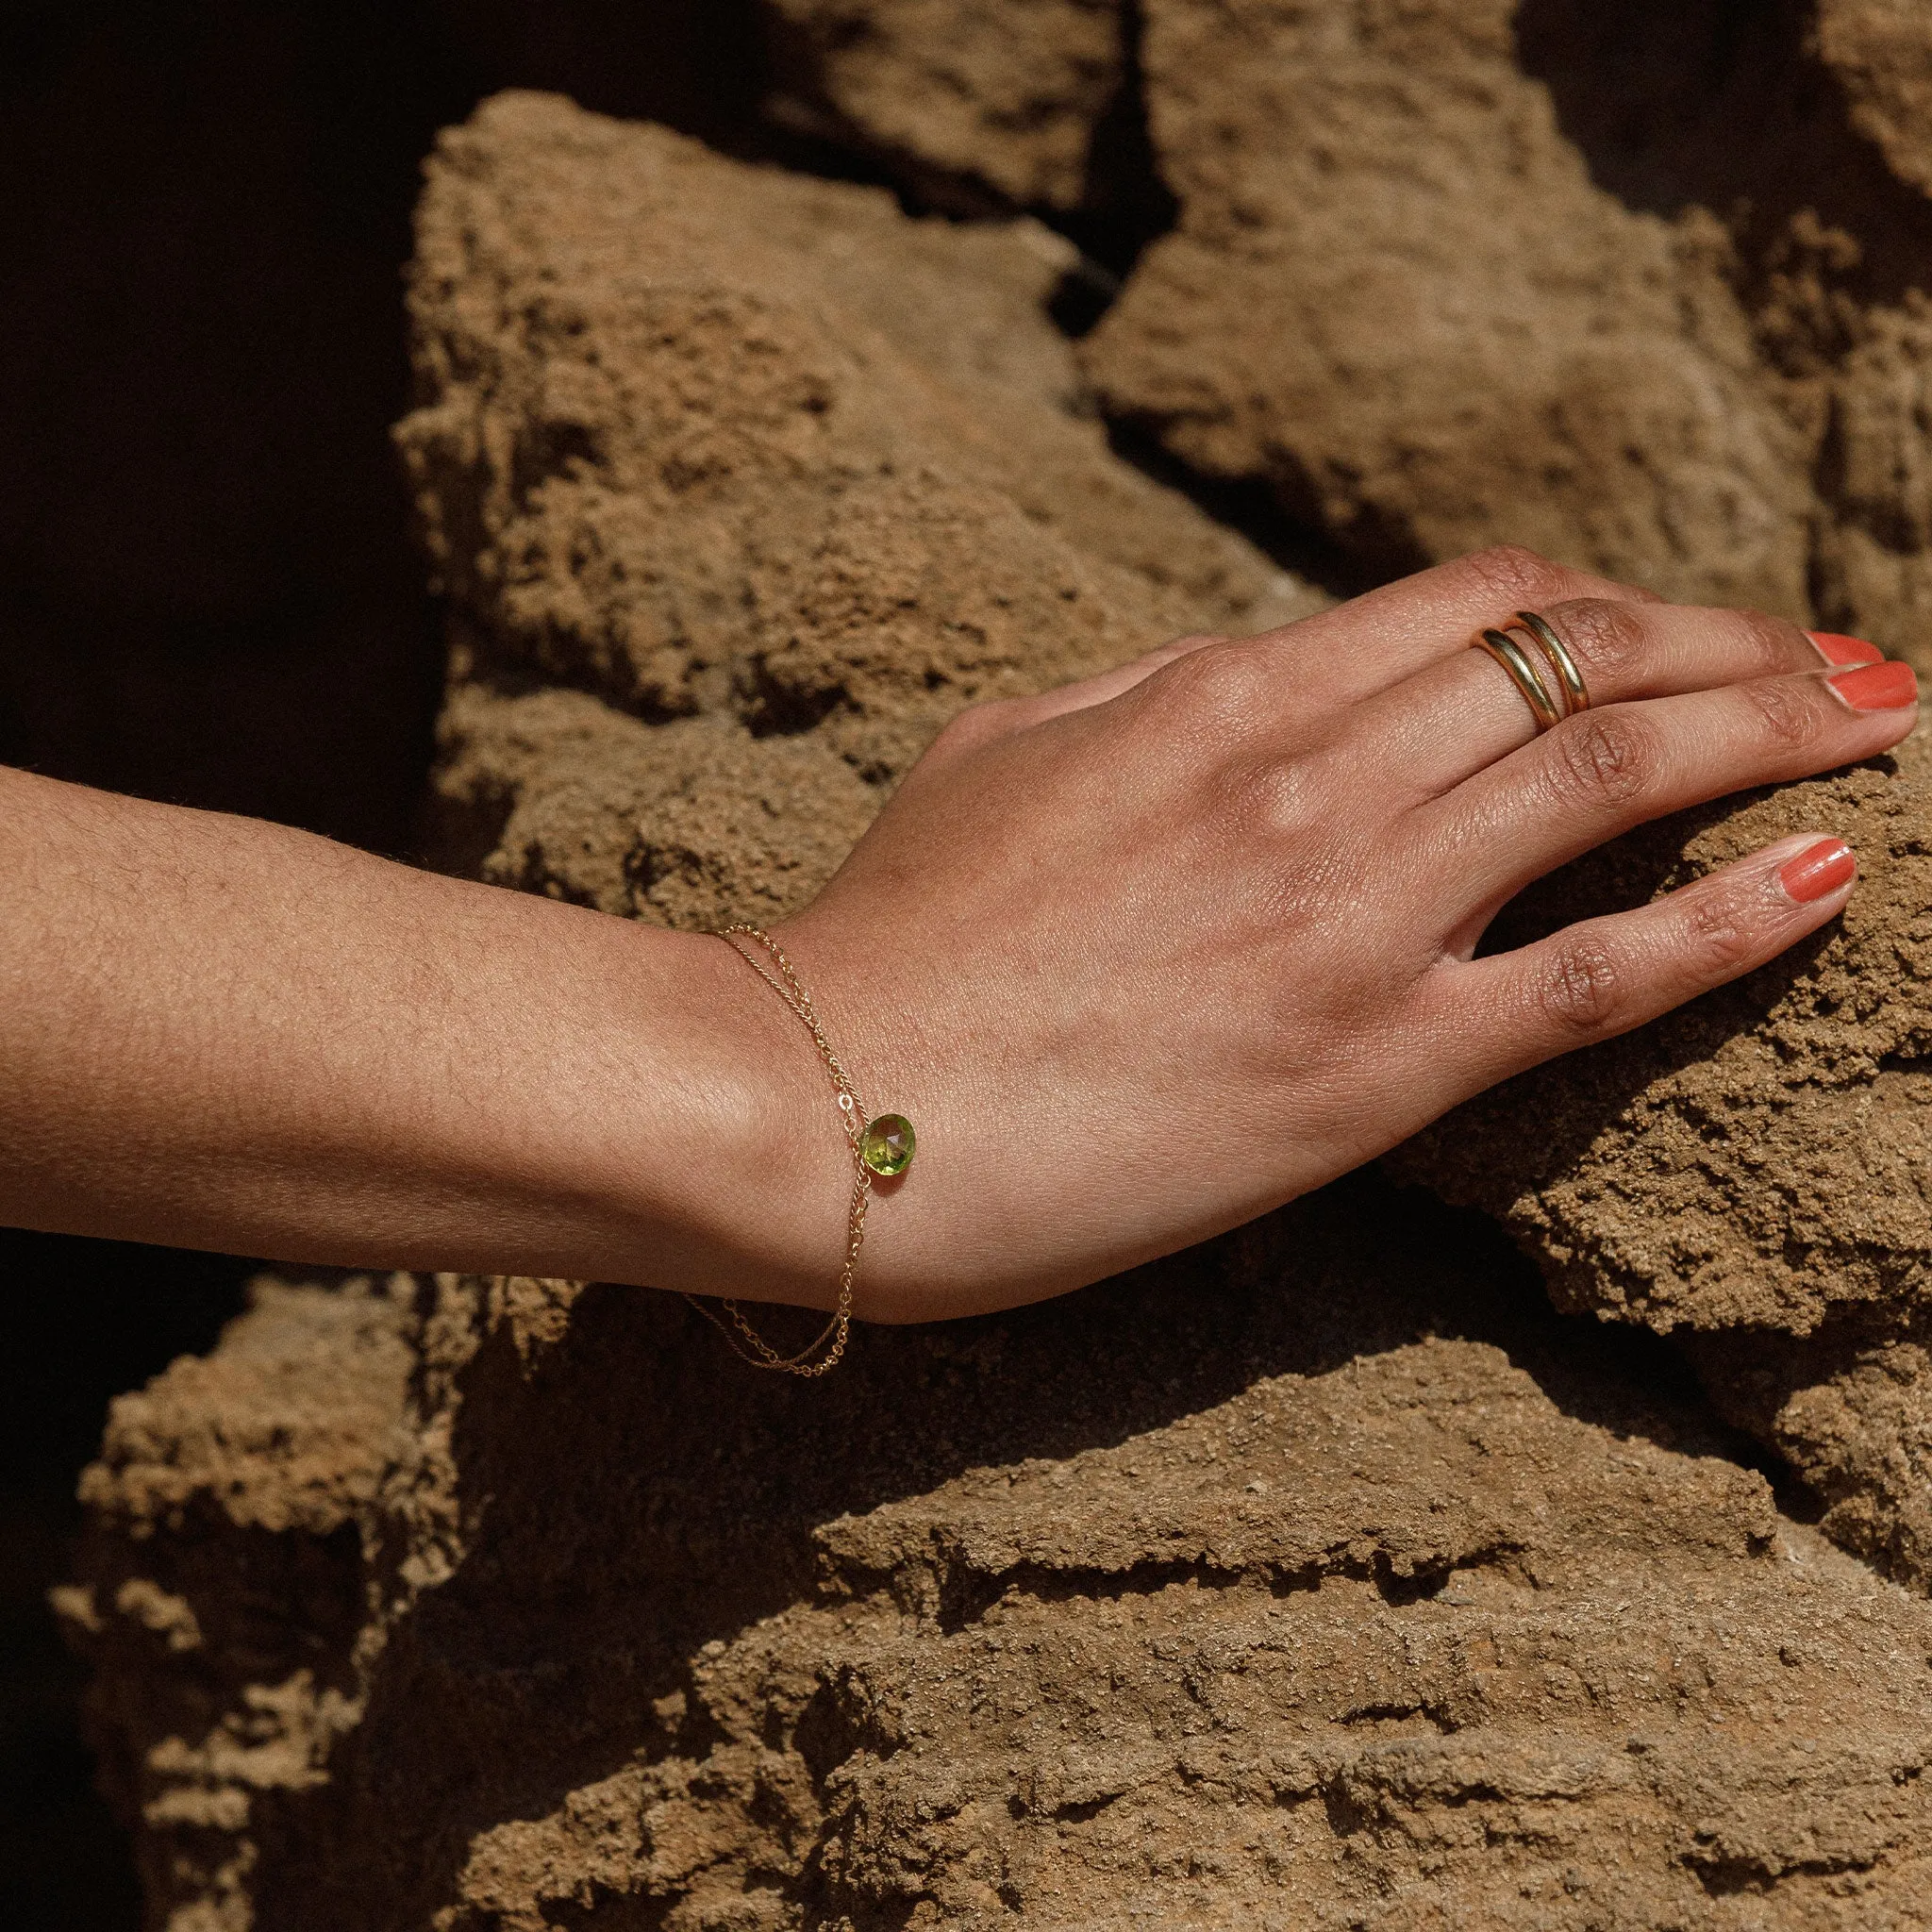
1602	759
1515	574
1220	680
1608	640
1273	799
1774	644
1185	646
966	727
1787	713
1719	932
1581	991
965	730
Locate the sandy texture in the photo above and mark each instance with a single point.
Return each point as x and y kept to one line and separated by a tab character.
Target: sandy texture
1850	1409
1311	1581
1642	288
1752	1169
1881	53
706	442
1319	1577
1399	296
1007	93
228	1583
1395	292
1758	1159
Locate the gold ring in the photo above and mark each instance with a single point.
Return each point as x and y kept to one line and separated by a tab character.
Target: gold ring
1527	670
1523	674
1561	662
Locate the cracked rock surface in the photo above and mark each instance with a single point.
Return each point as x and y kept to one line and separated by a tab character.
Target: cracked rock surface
1313	1579
740	484
1644	288
1322	1576
1751	1172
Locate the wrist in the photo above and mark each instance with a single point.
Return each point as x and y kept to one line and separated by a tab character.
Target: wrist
729	1171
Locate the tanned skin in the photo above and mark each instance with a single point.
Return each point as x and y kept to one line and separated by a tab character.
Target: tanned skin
1141	959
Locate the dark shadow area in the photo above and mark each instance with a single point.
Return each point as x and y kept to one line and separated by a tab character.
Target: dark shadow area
208	592
705	67
1721	103
1253	507
89	1320
553	1657
1127	204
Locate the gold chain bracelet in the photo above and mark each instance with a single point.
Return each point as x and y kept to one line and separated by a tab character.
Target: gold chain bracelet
883	1145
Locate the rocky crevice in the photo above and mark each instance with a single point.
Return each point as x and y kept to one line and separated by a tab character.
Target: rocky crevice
1319	1574
603	1669
1738	186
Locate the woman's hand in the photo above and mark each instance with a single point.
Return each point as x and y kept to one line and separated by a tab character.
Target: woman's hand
1145	957
1140	958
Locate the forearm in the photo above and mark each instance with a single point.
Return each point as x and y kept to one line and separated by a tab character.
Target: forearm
225	1034
1142	958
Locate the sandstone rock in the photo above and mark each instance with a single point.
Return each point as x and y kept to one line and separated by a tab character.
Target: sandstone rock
1871	552
693	823
1645	290
1757	1159
1321	1577
1009	92
1317	1580
699	439
1849	1407
1881	52
1752	1169
228	1578
1396	292
1635	292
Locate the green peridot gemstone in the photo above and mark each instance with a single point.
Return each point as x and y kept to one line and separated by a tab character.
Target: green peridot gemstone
887	1144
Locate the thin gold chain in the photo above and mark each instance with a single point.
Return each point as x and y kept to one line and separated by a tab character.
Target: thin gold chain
747	1340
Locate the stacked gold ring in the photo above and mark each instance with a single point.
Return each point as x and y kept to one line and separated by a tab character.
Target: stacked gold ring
1549	704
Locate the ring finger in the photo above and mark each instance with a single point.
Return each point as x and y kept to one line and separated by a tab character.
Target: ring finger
1620	652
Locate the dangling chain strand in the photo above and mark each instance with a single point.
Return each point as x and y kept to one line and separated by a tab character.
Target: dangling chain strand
747	1340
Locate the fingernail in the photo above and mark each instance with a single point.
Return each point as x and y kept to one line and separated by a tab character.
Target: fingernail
1877	687
1837	650
1818	871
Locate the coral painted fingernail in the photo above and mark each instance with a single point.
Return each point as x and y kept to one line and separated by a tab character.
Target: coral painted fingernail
1837	650
1877	687
1818	871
